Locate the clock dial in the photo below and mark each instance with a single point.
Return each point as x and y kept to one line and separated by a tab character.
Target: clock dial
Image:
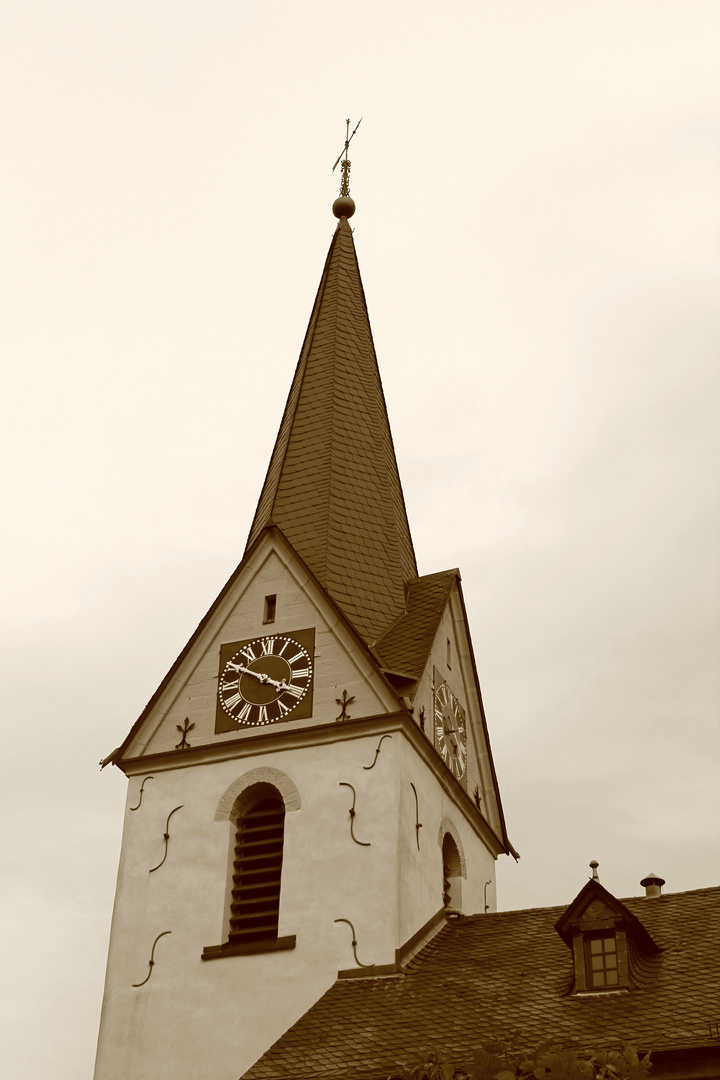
450	730
265	680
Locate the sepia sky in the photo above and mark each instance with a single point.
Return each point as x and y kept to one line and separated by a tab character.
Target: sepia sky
537	230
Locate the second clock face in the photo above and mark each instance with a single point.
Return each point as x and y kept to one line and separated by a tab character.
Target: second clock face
264	680
450	730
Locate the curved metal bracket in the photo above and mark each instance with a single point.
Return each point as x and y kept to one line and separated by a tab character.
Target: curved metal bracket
152	957
166	837
354	944
418	822
352	816
377	752
142	788
487	906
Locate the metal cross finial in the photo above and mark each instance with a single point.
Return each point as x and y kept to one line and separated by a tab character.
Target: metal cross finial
345	163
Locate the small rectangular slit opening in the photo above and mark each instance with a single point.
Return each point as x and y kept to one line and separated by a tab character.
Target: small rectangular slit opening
270	608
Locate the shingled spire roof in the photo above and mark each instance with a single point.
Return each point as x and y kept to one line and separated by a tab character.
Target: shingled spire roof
333	486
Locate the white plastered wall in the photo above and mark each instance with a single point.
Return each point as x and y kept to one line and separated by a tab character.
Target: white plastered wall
224	1013
420	868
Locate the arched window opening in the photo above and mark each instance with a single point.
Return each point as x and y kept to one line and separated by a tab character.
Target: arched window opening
452	874
257	869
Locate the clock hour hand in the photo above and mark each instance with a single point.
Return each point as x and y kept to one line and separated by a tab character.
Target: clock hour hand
259	675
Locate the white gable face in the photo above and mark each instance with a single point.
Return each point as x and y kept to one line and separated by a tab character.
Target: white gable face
449	686
271	596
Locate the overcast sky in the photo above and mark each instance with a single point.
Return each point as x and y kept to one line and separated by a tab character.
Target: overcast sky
537	230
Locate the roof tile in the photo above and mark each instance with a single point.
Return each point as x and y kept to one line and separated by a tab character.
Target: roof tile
492	975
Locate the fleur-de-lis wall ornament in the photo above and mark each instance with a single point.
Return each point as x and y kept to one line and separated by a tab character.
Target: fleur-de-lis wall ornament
184	744
343	702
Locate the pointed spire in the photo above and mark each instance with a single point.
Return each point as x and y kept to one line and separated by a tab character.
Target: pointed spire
333	486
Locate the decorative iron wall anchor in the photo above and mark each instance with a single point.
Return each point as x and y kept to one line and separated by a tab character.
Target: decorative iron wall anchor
142	788
377	752
166	837
487	906
152	958
352	816
343	702
418	822
354	944
184	744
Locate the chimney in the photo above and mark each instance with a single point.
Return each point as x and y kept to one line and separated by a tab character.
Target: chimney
653	885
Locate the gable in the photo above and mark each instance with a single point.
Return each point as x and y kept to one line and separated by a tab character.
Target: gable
448	662
184	711
406	645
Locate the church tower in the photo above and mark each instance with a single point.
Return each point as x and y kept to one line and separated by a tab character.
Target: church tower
311	789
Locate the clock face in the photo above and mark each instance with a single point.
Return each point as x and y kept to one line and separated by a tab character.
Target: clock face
265	680
450	730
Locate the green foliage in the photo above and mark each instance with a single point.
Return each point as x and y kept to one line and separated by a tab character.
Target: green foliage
501	1061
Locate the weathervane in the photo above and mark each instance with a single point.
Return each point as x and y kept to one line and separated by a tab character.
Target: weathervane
345	163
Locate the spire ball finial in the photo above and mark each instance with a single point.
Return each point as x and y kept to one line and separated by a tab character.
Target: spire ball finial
343	206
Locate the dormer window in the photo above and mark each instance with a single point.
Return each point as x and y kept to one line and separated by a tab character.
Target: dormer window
608	943
601	961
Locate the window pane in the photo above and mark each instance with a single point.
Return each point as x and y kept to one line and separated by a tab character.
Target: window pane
609	943
611	977
611	962
596	945
598	978
597	963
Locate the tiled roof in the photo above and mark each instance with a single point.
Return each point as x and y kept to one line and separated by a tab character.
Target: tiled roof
489	976
333	486
406	646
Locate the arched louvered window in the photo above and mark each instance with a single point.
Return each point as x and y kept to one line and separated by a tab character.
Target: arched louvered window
257	869
452	874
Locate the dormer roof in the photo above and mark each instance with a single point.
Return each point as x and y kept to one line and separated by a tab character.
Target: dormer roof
594	910
406	644
332	485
